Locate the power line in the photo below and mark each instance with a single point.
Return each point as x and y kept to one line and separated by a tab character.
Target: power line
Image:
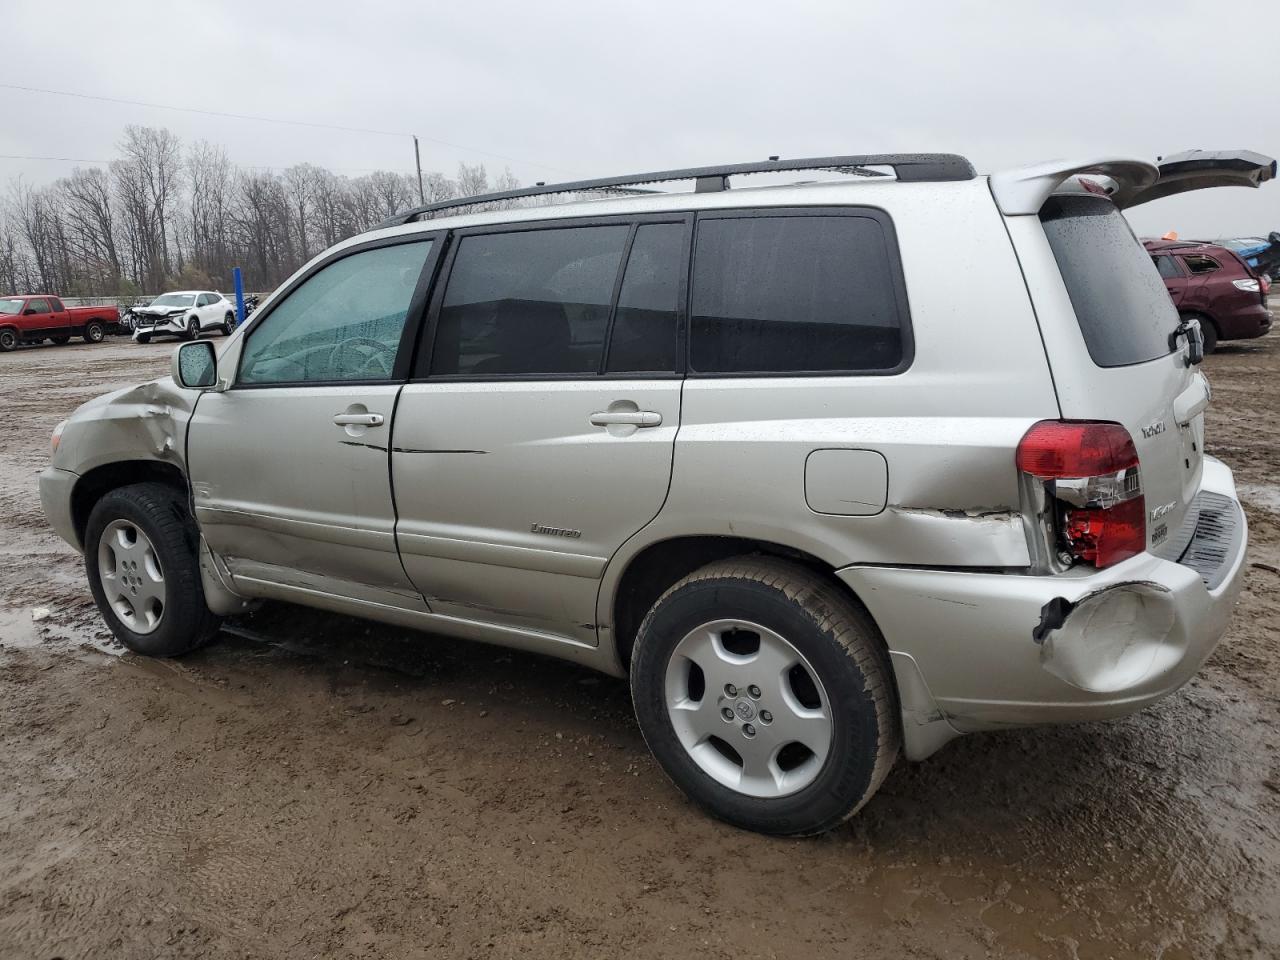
261	119
247	166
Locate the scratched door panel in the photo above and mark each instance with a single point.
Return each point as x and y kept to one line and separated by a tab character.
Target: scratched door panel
279	486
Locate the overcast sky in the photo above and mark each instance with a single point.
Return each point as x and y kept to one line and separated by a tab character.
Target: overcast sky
590	89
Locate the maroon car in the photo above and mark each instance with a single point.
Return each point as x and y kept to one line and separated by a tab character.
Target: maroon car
1215	286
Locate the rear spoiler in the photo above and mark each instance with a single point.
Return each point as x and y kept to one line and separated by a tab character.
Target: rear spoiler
1023	192
1131	182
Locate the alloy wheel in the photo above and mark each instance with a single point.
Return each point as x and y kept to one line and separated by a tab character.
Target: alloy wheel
748	708
131	576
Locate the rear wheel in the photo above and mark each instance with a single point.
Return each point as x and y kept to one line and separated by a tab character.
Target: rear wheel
94	332
766	695
143	567
8	340
228	324
1209	333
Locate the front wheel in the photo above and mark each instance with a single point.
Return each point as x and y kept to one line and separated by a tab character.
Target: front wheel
94	332
193	329
766	694
141	557
143	338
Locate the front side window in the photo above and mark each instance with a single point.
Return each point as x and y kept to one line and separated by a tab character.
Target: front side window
1167	267
204	300
39	306
342	323
794	294
528	303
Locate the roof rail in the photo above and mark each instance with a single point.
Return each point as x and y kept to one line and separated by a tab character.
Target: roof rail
908	167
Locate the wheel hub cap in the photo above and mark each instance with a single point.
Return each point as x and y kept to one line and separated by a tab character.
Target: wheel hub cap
132	580
748	708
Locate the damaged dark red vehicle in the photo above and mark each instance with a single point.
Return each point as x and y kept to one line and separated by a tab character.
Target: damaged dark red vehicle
1212	284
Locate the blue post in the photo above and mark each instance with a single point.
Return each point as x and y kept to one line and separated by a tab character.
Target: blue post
239	296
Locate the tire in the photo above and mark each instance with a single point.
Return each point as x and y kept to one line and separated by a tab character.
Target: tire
8	341
123	576
832	642
94	332
193	329
1209	333
228	324
61	341
144	338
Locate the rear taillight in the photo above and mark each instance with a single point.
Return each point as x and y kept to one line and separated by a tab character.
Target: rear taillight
1265	283
1090	475
1249	285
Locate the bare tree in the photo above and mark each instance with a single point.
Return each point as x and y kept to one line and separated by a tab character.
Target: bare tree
161	214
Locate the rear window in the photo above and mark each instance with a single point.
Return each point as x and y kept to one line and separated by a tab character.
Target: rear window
1120	301
795	294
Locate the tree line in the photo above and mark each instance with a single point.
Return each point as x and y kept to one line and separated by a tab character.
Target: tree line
169	215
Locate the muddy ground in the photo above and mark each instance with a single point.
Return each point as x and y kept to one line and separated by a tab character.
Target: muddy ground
319	787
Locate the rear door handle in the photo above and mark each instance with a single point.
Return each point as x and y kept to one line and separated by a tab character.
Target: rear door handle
632	418
358	419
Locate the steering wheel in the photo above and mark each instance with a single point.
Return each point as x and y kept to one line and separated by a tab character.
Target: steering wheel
377	362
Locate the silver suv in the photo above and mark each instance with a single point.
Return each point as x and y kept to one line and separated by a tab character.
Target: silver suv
832	471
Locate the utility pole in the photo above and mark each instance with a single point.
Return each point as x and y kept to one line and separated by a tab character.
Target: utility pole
417	160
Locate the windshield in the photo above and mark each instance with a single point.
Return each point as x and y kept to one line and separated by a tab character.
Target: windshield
1121	304
10	306
174	300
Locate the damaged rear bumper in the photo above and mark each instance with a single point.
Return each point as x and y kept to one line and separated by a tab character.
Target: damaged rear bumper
981	651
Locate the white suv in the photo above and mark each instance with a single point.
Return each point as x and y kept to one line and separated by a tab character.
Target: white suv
831	471
184	313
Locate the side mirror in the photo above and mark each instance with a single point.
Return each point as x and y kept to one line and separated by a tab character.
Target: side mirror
195	365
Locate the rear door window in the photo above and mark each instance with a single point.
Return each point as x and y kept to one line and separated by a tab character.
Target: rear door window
1120	301
1201	264
644	334
527	303
796	294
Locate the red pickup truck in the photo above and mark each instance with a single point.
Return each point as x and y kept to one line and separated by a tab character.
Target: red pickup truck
31	319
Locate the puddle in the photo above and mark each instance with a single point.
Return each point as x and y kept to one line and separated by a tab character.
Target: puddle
18	629
1260	495
28	628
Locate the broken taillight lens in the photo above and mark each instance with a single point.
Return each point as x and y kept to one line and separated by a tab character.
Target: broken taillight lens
1090	473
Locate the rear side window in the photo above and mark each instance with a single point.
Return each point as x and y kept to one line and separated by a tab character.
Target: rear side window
528	303
55	304
794	294
1200	264
1120	302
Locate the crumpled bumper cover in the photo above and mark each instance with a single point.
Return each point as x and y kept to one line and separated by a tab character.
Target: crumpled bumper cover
975	651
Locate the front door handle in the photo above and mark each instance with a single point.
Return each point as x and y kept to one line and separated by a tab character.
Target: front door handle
630	418
358	419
